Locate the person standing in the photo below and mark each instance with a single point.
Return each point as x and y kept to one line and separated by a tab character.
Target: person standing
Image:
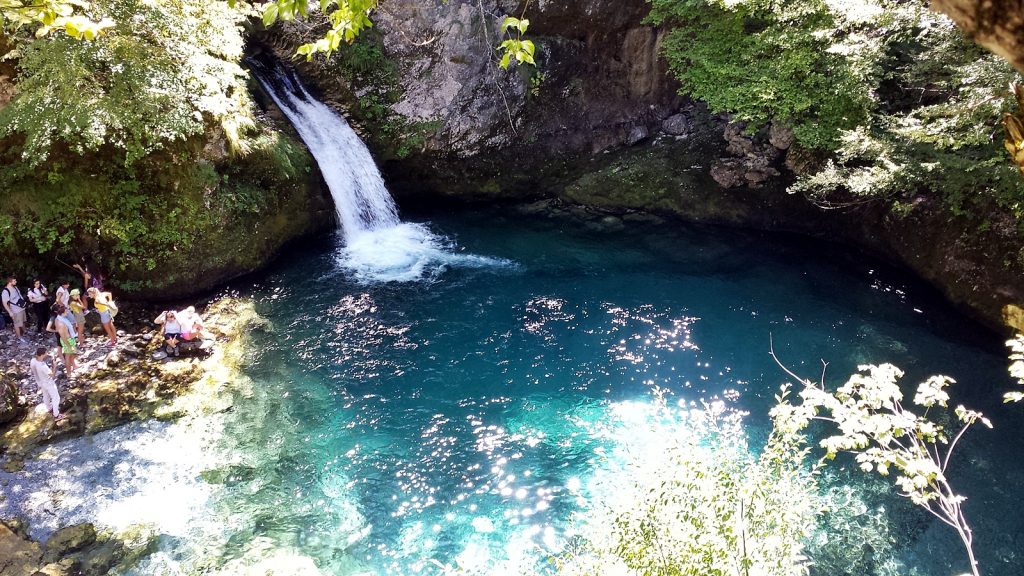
68	337
15	305
40	300
105	306
63	296
43	373
78	308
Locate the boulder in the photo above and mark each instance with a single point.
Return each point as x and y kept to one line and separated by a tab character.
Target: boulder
780	137
10	404
68	540
636	135
17	555
676	125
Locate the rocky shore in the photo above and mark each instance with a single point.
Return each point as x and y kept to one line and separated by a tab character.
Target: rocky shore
113	385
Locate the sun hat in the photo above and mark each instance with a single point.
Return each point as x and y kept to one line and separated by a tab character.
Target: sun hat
74	292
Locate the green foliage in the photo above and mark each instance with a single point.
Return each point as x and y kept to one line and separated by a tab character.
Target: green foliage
347	18
697	500
140	147
50	15
872	423
888	94
515	47
767	61
159	75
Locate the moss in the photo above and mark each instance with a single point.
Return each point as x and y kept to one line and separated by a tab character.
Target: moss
175	223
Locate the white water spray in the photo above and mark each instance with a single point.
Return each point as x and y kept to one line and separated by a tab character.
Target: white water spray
360	197
379	247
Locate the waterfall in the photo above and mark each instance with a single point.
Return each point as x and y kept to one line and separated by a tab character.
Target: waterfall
378	246
361	199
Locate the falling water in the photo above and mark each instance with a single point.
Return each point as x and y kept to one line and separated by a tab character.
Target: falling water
378	246
360	197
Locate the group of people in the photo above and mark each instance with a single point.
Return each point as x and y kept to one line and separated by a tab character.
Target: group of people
64	317
179	329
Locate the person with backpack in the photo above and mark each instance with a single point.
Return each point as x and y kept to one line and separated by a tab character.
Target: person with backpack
104	302
40	299
15	304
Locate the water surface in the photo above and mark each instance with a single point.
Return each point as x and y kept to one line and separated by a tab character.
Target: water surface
457	420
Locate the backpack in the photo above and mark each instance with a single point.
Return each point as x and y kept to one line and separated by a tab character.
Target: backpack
20	302
112	308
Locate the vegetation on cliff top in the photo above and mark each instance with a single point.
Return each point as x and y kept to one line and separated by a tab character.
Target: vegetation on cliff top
887	96
140	148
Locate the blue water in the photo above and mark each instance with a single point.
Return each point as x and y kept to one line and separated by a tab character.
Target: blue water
396	428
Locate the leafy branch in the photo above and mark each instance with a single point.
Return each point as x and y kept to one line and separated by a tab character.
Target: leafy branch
1016	367
516	46
347	19
50	15
883	435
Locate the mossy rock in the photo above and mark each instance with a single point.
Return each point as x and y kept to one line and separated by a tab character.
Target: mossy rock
67	540
10	406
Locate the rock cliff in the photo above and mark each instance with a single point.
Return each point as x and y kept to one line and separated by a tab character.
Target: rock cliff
599	121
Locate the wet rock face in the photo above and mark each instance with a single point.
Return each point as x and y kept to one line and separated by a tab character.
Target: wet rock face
597	78
445	56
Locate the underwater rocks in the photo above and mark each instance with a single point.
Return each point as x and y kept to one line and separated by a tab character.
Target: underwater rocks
78	550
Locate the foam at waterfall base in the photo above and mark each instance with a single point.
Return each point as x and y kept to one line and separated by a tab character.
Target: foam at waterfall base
406	252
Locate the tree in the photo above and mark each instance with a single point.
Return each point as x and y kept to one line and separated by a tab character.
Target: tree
872	424
698	500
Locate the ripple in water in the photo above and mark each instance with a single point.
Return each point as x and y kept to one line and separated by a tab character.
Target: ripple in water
421	427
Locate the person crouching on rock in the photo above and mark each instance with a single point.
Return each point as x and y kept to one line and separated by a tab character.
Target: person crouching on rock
68	337
43	373
105	306
171	330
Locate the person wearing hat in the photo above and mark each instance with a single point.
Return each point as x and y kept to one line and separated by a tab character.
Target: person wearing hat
78	308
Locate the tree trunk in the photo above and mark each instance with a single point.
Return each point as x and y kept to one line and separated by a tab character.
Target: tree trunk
995	24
